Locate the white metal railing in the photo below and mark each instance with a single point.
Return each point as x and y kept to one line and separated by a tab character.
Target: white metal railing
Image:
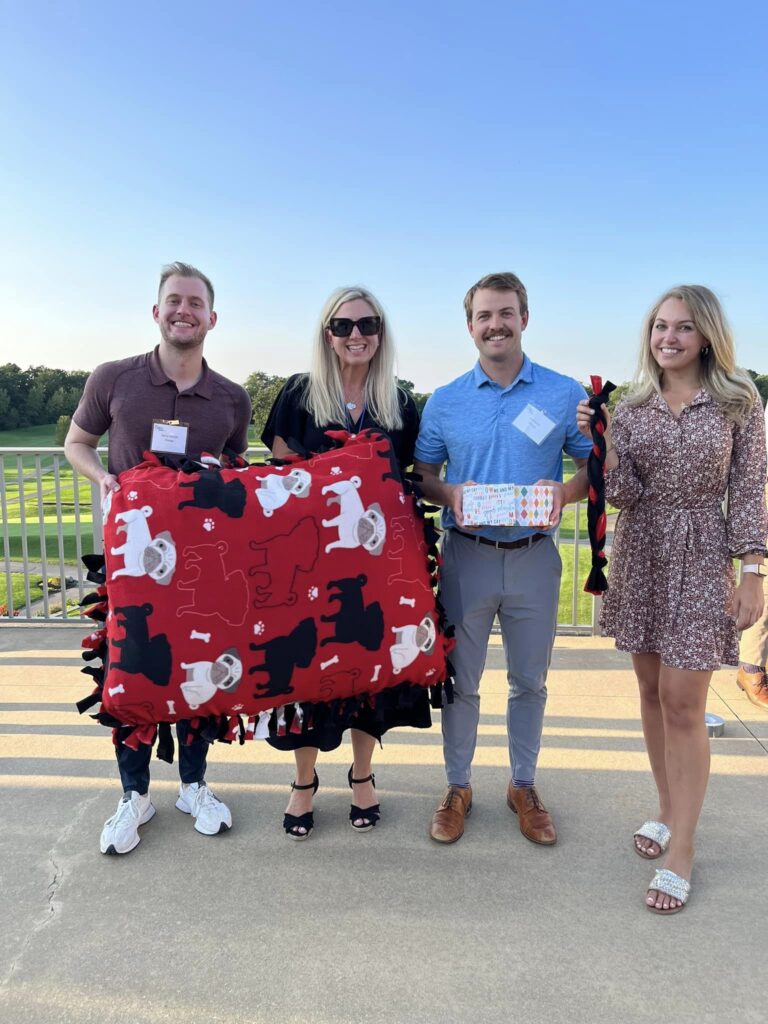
50	517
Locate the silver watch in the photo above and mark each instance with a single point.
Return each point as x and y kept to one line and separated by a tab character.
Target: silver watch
758	570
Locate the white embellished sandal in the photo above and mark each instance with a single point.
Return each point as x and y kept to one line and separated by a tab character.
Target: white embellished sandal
658	833
670	884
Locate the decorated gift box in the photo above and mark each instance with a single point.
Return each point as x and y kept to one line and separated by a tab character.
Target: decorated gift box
507	505
263	591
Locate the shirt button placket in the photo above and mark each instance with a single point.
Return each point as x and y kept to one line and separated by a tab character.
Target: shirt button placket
680	482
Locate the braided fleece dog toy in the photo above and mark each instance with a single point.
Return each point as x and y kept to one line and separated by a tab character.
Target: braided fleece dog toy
596	522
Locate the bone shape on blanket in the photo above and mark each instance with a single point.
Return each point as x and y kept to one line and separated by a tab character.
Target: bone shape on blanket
205	637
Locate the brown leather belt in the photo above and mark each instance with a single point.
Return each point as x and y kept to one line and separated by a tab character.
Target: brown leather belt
504	545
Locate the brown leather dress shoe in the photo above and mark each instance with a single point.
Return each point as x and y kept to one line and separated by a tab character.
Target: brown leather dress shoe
535	821
447	825
755	687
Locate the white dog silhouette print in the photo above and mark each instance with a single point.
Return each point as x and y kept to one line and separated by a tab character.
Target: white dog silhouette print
142	554
205	678
410	641
274	491
357	526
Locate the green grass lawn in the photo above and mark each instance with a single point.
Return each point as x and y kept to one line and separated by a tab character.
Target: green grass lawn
15	549
47	504
583	601
17	589
29	437
35	594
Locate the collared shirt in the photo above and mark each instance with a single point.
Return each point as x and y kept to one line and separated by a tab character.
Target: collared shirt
469	425
125	396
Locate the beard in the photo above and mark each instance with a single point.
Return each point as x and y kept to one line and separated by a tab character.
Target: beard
187	344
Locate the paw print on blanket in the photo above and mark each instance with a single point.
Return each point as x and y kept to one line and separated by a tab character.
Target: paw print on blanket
313	593
208	524
335	470
258	628
133	495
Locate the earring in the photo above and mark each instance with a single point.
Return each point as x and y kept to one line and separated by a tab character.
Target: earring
705	351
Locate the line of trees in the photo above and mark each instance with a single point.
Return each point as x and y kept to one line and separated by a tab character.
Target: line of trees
40	395
37	395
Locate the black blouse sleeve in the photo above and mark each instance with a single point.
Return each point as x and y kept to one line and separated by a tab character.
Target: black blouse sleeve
287	417
405	443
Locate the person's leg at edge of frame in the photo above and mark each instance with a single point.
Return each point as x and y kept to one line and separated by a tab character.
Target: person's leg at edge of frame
752	676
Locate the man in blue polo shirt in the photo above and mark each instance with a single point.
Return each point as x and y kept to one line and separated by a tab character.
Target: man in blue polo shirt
508	420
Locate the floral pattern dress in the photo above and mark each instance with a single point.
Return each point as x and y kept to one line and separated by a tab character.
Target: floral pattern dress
671	580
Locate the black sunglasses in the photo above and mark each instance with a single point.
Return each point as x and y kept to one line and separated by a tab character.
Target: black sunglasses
342	326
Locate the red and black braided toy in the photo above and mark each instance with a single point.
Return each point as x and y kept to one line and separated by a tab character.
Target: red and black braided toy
596	522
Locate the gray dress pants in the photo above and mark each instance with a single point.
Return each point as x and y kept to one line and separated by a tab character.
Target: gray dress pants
522	587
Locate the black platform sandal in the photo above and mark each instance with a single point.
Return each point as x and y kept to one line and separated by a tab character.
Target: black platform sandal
293	822
369	815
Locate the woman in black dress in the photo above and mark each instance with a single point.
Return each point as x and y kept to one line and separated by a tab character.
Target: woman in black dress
351	385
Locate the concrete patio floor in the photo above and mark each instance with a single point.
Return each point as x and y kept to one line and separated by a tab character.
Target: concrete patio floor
387	926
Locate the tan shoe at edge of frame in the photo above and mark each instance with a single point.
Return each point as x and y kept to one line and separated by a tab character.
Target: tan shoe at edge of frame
447	825
755	687
535	820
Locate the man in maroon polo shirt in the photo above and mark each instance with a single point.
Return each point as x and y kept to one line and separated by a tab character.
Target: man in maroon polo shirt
173	384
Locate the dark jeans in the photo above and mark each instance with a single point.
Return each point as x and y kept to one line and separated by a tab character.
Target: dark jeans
134	764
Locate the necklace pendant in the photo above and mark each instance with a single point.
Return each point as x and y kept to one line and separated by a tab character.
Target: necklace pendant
351	406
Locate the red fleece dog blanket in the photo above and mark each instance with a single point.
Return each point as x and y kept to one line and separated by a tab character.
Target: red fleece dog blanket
263	591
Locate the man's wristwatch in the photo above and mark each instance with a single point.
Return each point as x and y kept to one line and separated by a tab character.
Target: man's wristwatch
758	570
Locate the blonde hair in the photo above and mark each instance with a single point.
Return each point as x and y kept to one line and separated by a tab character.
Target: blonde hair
729	386
324	397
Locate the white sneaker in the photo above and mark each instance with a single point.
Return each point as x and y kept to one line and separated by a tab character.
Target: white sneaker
121	832
210	814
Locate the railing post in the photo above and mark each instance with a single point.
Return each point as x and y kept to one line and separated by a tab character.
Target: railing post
98	522
596	605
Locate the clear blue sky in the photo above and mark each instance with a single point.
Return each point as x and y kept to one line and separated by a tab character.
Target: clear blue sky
602	151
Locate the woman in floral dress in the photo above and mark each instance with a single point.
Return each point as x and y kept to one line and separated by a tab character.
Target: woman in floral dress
691	431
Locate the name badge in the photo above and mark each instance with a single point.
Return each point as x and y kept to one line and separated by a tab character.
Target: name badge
169	437
534	423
